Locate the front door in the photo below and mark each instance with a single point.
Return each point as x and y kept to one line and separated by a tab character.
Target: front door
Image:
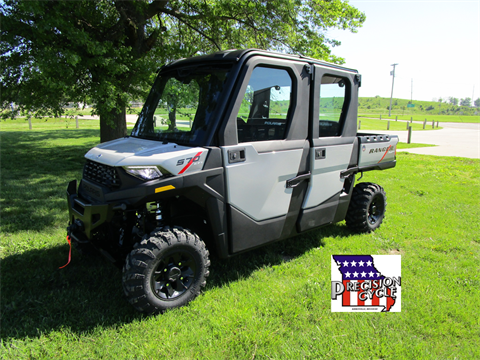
271	148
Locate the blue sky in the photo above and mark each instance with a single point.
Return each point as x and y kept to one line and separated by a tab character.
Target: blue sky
435	43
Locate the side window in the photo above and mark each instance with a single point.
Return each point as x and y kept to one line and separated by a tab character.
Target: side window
265	109
332	101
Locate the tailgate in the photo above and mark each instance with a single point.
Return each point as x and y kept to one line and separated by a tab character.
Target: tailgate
376	152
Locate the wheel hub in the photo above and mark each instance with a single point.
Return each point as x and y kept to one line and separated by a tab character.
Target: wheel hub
174	273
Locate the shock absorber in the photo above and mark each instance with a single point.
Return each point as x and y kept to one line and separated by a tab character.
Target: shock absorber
158	215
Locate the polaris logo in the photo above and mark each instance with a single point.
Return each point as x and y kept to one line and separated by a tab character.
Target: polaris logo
273	123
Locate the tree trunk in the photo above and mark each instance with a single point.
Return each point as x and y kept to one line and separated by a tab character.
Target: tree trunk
115	128
172	116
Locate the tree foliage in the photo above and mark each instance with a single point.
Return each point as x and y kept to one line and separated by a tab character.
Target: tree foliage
105	52
452	100
465	102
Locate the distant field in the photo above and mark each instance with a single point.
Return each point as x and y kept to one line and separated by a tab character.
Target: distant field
378	105
429	117
374	124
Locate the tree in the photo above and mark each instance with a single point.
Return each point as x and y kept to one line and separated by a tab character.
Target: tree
453	101
477	102
465	102
106	52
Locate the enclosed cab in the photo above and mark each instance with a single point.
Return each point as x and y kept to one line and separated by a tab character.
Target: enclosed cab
231	151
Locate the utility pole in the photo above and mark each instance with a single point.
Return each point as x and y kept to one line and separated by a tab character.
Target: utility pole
391	95
411	93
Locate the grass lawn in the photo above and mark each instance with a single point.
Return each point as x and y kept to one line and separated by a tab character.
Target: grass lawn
429	117
271	303
402	145
379	125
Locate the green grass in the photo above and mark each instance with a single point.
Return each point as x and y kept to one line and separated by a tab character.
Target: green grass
271	303
429	117
374	124
401	145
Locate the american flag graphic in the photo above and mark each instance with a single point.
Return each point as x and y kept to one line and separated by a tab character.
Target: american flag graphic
359	269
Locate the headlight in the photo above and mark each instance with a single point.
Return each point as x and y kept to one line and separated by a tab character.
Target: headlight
144	172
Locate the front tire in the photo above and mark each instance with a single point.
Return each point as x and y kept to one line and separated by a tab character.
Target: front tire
367	208
165	270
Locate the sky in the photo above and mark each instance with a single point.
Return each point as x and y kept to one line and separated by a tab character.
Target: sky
436	45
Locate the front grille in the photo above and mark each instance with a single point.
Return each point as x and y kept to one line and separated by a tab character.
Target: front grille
102	174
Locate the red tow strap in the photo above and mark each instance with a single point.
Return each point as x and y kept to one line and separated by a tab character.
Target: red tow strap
69	253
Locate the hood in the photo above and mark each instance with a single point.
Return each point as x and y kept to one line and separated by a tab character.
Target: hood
131	151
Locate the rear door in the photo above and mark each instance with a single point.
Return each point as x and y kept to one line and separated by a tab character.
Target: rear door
333	140
270	148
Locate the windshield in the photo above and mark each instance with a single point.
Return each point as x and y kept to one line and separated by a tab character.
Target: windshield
180	106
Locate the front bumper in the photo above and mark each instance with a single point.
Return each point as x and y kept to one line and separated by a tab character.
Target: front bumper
90	215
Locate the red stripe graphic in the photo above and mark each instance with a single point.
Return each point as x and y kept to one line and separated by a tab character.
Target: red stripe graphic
360	302
390	300
375	300
385	153
189	163
346	294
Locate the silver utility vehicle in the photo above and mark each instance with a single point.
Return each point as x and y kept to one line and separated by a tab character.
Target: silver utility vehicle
231	151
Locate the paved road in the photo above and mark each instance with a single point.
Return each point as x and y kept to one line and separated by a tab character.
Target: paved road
455	139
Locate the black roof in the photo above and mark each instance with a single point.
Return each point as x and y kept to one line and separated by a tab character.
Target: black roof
237	55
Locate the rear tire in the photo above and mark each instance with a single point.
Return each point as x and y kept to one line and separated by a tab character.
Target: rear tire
367	208
165	270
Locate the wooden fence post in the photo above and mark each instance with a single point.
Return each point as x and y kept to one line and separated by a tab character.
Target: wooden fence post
29	122
359	124
388	125
76	121
408	125
433	124
424	123
409	140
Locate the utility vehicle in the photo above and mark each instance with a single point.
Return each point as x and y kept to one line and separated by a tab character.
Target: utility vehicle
231	151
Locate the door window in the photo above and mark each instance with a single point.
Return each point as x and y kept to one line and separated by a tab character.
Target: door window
265	108
332	105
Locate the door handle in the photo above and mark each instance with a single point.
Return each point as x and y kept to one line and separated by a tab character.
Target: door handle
293	182
236	155
320	153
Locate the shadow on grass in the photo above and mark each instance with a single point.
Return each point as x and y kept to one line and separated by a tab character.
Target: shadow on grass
38	298
35	175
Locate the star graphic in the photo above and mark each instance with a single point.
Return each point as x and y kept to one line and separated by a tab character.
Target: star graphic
369	263
363	274
371	274
361	263
347	274
355	274
345	263
354	263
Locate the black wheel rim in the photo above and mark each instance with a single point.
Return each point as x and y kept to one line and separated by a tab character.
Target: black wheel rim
173	275
376	209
